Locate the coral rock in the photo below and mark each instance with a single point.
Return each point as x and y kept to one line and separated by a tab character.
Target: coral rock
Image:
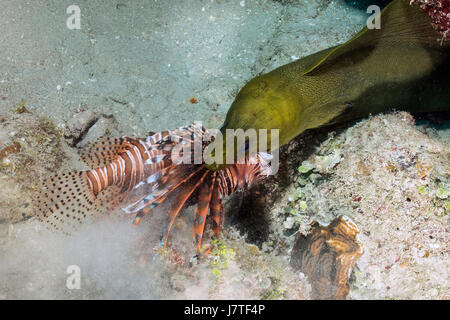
326	256
79	125
104	126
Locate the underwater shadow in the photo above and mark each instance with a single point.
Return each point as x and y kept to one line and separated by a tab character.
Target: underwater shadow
249	212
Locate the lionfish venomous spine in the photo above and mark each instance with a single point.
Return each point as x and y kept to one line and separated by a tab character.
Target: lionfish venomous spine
139	174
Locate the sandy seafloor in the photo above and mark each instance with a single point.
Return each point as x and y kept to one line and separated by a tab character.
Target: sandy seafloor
155	55
140	63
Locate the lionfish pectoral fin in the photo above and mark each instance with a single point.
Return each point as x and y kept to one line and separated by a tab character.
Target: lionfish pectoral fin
140	215
204	199
145	203
181	199
217	210
155	191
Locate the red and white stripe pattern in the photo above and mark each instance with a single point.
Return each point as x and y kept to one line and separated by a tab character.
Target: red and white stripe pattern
136	160
138	175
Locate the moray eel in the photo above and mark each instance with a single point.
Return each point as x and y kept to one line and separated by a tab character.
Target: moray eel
403	65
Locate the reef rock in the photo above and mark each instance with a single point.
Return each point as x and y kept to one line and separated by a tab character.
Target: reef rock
79	125
390	176
30	149
327	256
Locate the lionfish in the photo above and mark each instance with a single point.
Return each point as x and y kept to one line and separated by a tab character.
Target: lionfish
138	174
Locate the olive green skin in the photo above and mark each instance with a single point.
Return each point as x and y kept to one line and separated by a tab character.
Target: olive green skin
408	78
372	73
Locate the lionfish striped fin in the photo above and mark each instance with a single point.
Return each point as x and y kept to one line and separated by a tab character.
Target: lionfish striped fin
204	199
147	194
170	176
181	200
152	191
217	210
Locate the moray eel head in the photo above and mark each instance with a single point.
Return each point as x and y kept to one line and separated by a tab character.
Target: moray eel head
262	106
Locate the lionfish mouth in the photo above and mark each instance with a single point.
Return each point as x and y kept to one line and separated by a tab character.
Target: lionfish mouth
139	174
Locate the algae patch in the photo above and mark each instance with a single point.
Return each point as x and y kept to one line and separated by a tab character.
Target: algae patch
31	148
